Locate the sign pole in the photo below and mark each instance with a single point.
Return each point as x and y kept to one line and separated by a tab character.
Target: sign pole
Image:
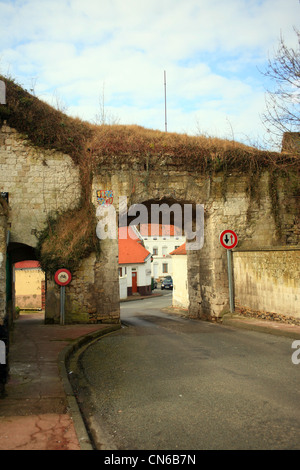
229	240
230	280
62	305
62	277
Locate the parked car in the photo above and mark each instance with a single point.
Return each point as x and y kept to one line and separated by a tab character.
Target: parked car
167	283
153	283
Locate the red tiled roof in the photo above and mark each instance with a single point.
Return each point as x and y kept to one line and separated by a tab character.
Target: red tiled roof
159	230
181	250
128	232
131	250
27	264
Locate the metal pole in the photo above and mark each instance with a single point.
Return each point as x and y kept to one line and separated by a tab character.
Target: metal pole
230	280
165	83
62	305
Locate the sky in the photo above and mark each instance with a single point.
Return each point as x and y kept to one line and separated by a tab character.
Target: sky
92	58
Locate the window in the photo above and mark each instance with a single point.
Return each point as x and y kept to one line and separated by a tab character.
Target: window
155	251
120	272
165	268
164	250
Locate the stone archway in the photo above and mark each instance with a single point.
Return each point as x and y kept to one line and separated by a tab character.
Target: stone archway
227	205
207	289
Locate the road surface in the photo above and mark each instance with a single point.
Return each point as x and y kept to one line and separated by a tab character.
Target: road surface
164	382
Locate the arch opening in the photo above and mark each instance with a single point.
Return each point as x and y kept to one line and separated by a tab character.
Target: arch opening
26	282
164	237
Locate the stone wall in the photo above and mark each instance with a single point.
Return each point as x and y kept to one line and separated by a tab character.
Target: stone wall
93	294
39	182
268	280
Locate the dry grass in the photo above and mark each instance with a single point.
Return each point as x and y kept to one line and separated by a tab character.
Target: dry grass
45	126
199	153
71	236
49	128
121	139
67	239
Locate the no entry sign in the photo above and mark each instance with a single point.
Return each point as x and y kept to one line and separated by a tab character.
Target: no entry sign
228	239
62	277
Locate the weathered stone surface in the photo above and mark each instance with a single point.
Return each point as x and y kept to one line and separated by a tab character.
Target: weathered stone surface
42	182
251	218
39	183
268	280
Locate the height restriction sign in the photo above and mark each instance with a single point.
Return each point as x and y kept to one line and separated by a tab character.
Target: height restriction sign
228	239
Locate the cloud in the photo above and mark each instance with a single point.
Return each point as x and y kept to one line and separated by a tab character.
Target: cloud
210	49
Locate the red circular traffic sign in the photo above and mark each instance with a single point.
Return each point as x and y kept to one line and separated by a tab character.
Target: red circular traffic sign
228	239
62	277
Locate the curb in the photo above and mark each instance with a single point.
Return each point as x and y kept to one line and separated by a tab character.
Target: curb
177	311
132	299
63	358
278	329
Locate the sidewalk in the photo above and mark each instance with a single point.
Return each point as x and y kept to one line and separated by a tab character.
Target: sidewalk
39	411
249	323
130	298
264	326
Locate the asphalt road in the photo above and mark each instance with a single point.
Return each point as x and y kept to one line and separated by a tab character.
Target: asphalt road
163	382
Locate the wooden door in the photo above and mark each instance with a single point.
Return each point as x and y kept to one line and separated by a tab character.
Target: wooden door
134	282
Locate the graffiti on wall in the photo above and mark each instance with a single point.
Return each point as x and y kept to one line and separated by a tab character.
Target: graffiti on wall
105	197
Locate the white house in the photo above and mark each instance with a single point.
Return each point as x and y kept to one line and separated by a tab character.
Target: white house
134	264
180	279
160	240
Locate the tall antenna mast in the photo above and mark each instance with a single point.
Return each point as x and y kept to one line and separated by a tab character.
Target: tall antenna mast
165	83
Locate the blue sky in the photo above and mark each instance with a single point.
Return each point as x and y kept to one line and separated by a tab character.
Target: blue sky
74	52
